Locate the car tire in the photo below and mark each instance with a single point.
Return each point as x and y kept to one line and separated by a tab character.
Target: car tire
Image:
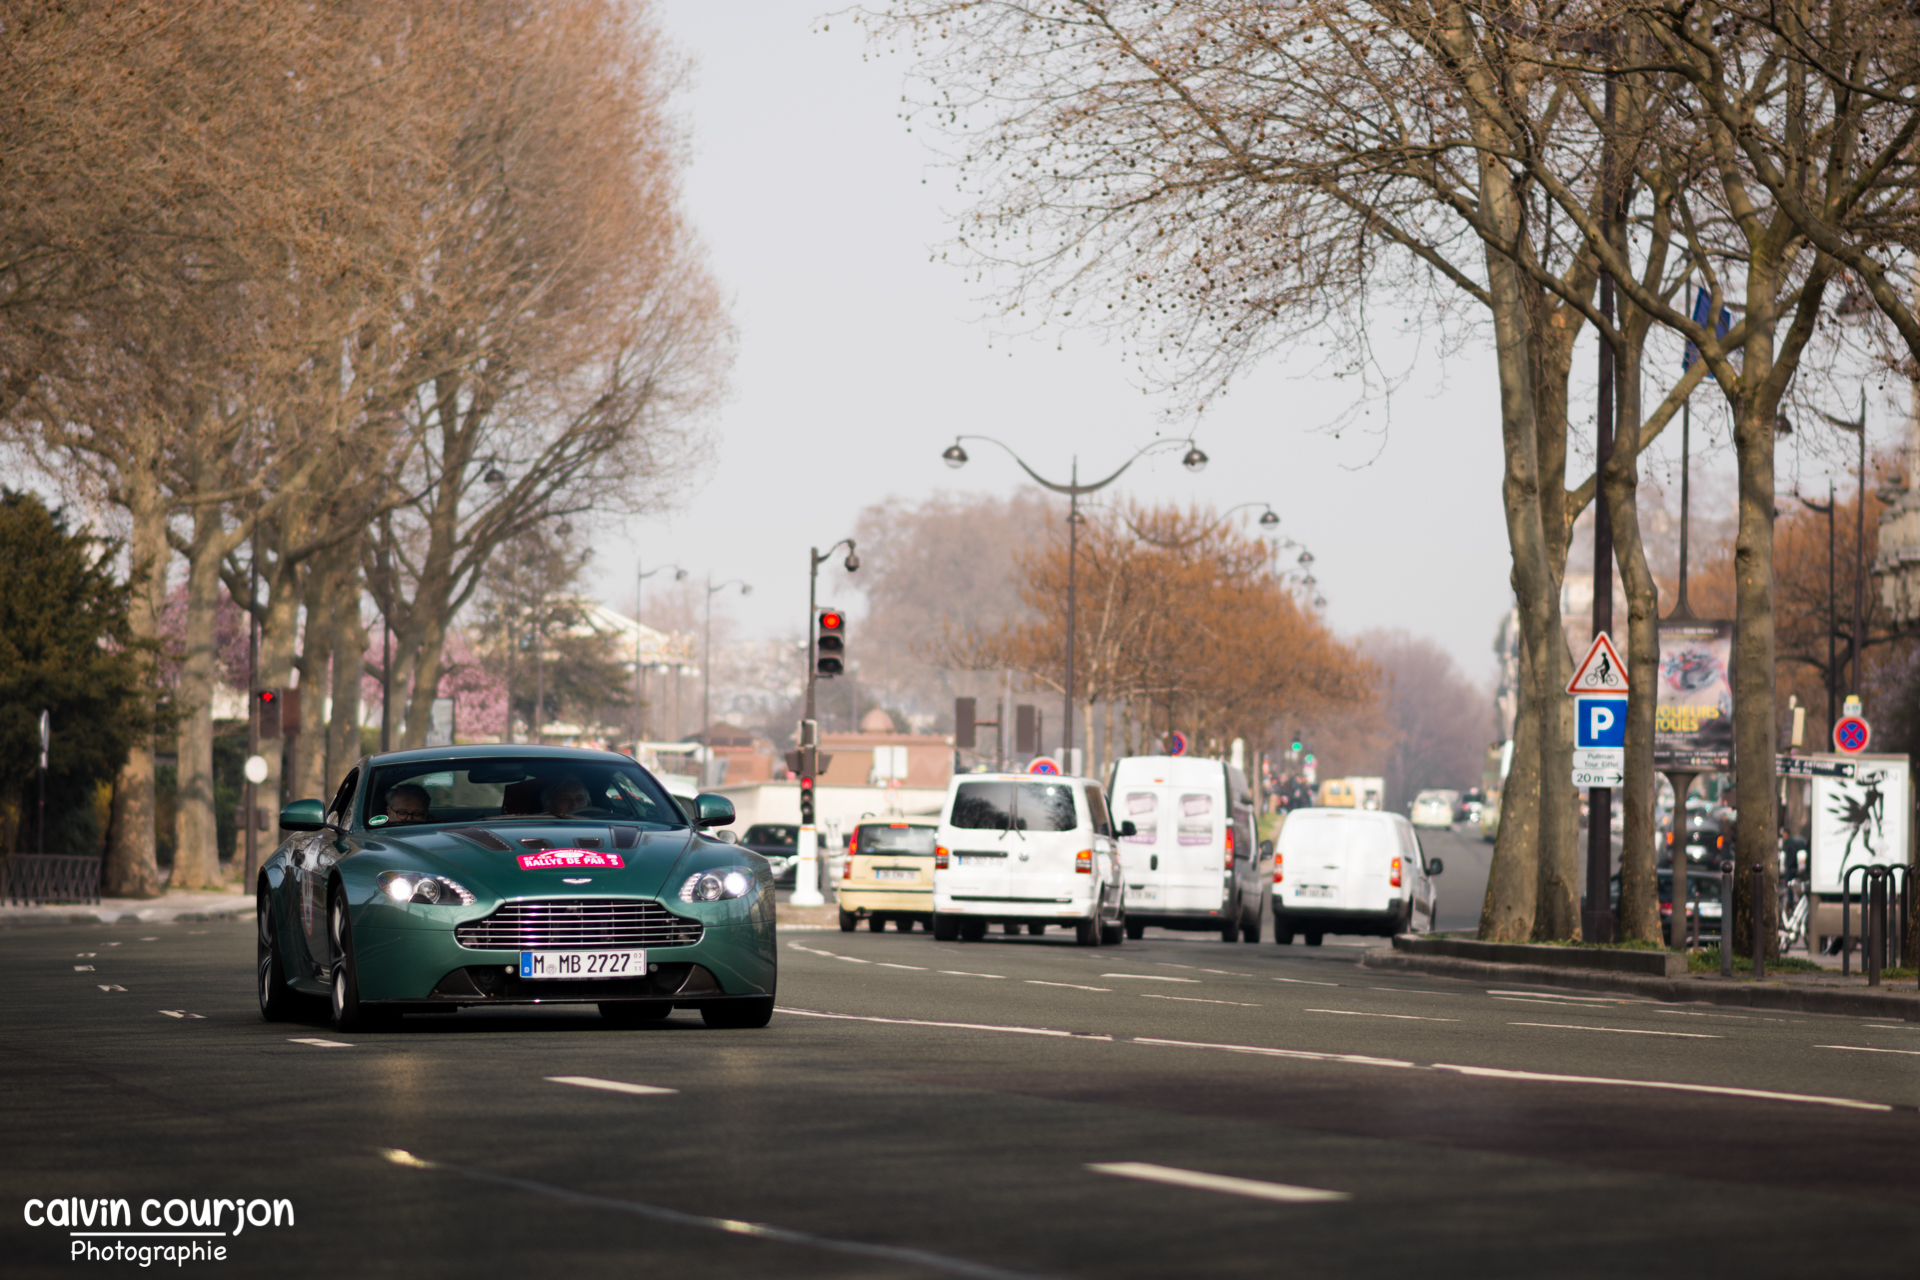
876	924
1282	936
1036	929
904	924
1087	932
972	929
1113	935
348	1014
1250	927
1314	937
1230	922
1136	930
945	929
276	998
739	1015
636	1013
847	920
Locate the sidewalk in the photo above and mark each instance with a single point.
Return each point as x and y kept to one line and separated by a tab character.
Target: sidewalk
169	907
1826	992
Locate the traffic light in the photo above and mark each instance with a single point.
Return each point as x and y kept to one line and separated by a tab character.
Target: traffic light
831	648
806	800
1026	730
964	711
266	704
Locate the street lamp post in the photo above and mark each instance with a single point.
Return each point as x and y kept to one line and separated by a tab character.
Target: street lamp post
639	670
1859	429
1194	460
706	669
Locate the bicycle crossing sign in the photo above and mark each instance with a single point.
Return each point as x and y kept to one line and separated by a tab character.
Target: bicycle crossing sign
1601	671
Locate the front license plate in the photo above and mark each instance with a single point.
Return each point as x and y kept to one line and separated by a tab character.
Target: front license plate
583	964
1315	891
891	873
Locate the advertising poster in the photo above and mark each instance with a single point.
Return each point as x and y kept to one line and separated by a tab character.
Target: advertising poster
1860	821
1693	717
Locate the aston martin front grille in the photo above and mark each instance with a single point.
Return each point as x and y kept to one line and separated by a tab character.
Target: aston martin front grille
578	922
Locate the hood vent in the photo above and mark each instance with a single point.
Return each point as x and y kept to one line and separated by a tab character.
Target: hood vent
482	837
626	837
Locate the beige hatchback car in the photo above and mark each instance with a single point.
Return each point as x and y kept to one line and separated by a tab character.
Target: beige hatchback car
888	875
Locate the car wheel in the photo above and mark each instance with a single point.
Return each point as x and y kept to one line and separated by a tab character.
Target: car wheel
945	928
1230	922
1035	930
904	924
1087	932
972	929
1250	927
1136	930
1112	935
636	1013
276	1001
348	1013
739	1014
1282	936
847	920
1314	937
1010	927
876	924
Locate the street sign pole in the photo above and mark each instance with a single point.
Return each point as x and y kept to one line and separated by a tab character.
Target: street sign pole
1600	686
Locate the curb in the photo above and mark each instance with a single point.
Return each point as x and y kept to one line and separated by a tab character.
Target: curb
32	919
1850	1004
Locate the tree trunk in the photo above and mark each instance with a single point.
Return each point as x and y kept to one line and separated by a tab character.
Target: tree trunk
309	755
132	870
278	634
196	857
349	659
1757	827
1506	913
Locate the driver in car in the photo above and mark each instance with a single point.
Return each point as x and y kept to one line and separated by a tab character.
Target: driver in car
407	804
563	796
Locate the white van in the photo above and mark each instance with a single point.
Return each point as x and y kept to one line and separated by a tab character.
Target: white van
1351	871
1026	849
1192	860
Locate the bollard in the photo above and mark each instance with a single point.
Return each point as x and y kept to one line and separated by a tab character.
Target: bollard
1758	914
1876	927
1726	920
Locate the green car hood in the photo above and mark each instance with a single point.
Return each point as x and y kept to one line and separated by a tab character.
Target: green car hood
488	858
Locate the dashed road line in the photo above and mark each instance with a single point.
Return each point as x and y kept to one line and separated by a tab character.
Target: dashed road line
318	1043
1619	1031
182	1013
1855	1048
1402	1017
959	1026
1498	1073
962	973
1414	991
1302	982
1150	977
610	1086
1228	973
1280	1191
1304	1055
918	967
110	986
1197	1000
1076	986
83	968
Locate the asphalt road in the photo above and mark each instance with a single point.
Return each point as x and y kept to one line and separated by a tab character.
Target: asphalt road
927	1109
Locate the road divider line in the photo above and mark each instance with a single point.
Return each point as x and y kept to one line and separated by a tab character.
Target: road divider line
1856	1048
1151	977
960	1026
611	1086
1402	1017
917	967
1559	995
1619	1031
1302	982
318	1043
1728	1091
110	986
1414	991
854	959
1304	1055
83	968
962	973
1035	982
1279	1191
1147	995
1227	972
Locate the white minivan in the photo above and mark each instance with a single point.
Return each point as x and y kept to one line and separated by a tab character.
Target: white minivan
1351	871
1192	859
1022	849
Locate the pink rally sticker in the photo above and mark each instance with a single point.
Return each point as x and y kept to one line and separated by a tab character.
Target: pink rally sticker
568	859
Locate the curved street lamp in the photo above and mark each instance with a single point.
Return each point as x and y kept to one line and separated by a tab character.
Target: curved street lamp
1195	460
706	664
1269	521
639	670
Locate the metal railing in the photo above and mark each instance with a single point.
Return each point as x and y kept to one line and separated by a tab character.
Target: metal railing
1878	944
30	878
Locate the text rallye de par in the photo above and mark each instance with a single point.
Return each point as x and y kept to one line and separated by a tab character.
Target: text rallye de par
497	875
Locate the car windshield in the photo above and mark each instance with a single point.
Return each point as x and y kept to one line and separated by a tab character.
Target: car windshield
1017	806
895	837
543	788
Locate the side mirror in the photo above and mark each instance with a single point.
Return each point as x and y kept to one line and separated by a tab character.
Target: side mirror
1266	848
304	815
1127	828
1435	866
712	811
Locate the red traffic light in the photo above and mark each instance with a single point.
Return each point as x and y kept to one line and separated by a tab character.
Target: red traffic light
831	620
806	783
267	696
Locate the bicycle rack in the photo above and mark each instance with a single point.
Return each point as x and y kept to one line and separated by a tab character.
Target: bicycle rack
1875	899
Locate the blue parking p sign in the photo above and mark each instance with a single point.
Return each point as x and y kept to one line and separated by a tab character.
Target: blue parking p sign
1600	722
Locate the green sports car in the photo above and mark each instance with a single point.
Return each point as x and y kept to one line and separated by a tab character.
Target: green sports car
500	875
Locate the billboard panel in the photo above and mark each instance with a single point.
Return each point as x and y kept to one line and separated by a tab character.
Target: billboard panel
1860	821
1693	716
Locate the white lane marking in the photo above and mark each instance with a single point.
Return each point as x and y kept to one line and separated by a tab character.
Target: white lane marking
1302	982
83	968
1171	965
611	1086
1689	1013
815	951
113	944
1854	1048
1306	1055
1151	977
1197	1000
961	1026
1889	1026
919	967
1619	1031
182	1013
1403	1017
85	955
1566	995
1497	1073
962	973
1076	986
1220	1182
1414	991
1228	972
855	959
318	1043
110	986
1551	1004
149	939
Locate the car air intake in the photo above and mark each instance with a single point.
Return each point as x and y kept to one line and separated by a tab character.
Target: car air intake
578	922
482	837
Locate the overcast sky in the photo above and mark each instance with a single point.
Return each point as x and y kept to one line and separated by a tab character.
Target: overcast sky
860	359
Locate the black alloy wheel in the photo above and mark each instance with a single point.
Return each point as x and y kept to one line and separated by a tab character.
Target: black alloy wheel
276	1000
739	1015
636	1013
348	1013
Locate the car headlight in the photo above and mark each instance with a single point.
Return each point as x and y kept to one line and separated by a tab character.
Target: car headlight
717	885
412	886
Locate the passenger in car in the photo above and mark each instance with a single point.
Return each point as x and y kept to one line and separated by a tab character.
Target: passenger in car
407	804
563	796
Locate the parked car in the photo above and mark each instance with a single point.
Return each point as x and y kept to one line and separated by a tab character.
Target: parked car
1703	903
1193	860
887	875
1018	849
1435	809
1351	871
778	843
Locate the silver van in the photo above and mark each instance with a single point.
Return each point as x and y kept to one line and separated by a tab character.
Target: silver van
1351	871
